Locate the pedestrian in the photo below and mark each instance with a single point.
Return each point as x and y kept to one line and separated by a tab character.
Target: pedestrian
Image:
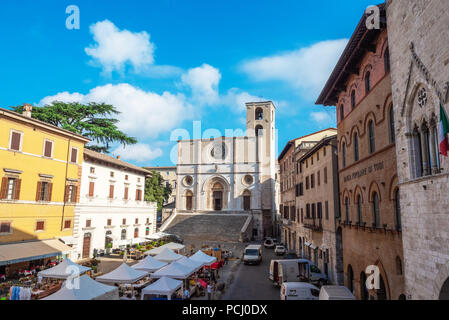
209	291
186	294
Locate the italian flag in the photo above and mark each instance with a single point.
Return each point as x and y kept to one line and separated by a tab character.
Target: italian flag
443	132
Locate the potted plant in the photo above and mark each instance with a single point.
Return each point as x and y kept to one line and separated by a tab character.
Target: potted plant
108	248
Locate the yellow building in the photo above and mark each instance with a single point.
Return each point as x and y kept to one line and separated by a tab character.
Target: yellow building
40	173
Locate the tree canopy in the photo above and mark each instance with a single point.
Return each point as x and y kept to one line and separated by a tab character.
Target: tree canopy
94	121
156	191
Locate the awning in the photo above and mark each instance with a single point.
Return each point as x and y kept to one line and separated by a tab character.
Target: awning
34	250
307	244
68	240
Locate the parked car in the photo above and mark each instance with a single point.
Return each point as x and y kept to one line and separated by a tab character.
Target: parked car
280	250
252	254
299	291
298	270
269	243
335	293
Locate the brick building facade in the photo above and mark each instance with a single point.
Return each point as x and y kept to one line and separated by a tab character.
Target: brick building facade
370	224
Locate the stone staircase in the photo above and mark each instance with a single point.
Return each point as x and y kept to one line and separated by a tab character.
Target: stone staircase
210	227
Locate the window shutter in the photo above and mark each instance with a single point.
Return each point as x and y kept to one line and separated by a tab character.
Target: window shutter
66	195
50	188
38	191
74	194
126	193
91	189
47	149
111	192
15	141
17	193
4	188
137	195
74	155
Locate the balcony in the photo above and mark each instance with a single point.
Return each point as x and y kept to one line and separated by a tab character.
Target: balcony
313	224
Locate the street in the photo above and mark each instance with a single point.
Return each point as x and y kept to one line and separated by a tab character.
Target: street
251	281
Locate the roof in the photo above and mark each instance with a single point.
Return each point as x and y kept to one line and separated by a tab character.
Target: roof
42	124
123	274
356	48
64	270
316	147
89	154
32	250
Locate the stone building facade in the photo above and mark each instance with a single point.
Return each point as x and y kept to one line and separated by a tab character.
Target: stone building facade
370	223
317	206
418	34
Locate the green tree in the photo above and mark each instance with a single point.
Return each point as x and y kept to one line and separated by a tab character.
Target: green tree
94	121
156	191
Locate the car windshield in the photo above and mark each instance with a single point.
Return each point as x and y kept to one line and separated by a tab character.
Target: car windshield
252	252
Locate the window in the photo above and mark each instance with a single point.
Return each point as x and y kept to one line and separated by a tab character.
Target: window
10	188
356	147
326	209
301	189
48	148
67	224
259	130
387	60
71	194
325	175
353	99
347	209
123	234
111	191
91	189
136	233
359	209
126	177
92	170
320	210
342	114
148	220
40	225
397	210
312	181
259	114
372	141
307	183
125	196
391	125
44	190
109	223
74	155
137	221
15	142
88	223
139	195
111	174
5	227
343	154
318	178
376	216
124	222
308	211
324	151
367	82
147	231
318	156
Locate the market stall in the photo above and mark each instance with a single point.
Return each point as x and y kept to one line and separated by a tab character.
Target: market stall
162	287
168	255
200	256
85	288
197	265
149	264
63	270
174	270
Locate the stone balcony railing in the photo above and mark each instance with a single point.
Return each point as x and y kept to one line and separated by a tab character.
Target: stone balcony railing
313	224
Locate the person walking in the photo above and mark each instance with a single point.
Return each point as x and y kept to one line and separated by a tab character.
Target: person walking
209	292
186	294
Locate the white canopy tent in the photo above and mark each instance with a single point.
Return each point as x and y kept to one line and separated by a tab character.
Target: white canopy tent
123	274
64	270
206	259
164	287
191	263
88	289
172	246
174	270
149	264
168	255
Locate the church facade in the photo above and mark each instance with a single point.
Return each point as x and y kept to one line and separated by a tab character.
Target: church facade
232	175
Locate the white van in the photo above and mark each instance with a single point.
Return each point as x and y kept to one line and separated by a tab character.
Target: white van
252	254
295	270
299	291
335	293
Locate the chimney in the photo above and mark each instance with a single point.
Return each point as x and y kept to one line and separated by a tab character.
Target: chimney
118	157
27	109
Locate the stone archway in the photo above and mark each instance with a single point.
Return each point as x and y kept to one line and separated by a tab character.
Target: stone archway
217	193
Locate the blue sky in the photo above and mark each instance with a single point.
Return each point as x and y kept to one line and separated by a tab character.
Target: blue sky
167	63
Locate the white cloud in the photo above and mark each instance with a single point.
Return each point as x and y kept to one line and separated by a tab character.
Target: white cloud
204	82
323	118
306	69
114	48
143	113
137	152
235	99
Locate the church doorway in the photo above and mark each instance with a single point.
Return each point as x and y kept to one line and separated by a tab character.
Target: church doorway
247	200
189	200
217	195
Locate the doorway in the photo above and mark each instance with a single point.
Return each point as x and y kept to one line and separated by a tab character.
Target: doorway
218	200
86	245
189	201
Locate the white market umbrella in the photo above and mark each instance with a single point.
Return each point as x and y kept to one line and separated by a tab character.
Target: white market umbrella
64	270
206	259
164	286
174	270
84	288
149	264
168	256
123	274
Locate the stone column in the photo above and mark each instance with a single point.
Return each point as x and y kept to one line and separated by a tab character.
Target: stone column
433	151
424	155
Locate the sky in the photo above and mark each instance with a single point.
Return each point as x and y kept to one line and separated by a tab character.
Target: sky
168	65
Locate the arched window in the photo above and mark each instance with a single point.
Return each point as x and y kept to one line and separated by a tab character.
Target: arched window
259	130
189	200
359	209
343	151
136	232
342	113
387	60
350	279
372	141
247	200
391	125
376	216
426	157
367	82
353	99
399	266
259	114
356	147
417	143
347	209
123	235
397	210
